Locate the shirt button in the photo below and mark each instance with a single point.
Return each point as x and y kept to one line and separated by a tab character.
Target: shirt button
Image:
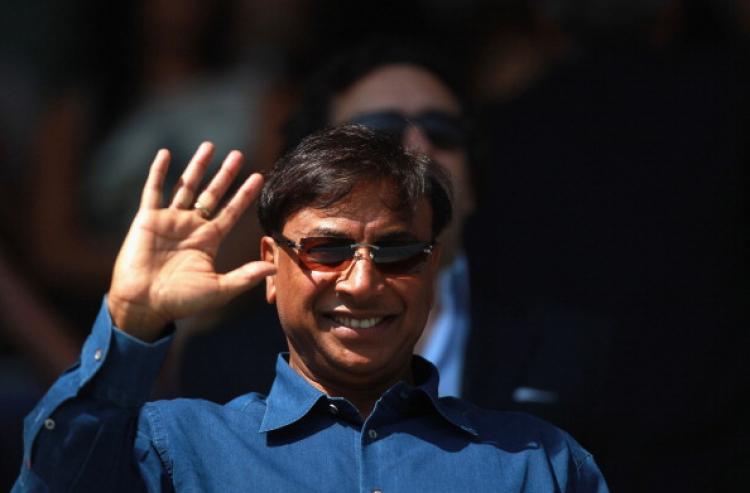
49	423
372	434
98	354
377	491
333	409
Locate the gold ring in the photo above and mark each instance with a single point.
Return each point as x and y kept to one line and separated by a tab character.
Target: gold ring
204	211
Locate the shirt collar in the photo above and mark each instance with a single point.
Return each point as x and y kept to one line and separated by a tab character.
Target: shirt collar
292	397
452	409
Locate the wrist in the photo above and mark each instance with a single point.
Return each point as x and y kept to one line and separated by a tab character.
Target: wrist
137	320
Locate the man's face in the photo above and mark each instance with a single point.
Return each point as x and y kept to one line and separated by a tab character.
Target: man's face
320	311
412	91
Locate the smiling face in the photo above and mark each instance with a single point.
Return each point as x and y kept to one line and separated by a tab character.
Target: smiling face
354	329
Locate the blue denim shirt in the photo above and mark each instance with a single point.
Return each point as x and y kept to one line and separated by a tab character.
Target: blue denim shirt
92	432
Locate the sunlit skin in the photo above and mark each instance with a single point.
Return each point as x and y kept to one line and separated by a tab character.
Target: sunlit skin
412	90
165	269
356	363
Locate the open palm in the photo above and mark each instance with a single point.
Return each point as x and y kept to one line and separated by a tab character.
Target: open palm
165	268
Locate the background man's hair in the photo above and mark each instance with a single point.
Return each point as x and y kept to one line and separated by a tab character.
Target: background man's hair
342	71
326	166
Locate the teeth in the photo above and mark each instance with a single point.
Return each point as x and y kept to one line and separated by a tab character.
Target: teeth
358	323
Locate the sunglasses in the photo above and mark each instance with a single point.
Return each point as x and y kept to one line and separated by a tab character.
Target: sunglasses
331	254
444	130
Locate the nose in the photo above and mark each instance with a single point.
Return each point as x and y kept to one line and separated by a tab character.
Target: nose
362	279
416	140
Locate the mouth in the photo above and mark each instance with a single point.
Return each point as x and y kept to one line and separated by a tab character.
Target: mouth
359	323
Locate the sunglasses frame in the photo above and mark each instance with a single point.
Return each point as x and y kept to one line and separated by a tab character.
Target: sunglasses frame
402	266
423	122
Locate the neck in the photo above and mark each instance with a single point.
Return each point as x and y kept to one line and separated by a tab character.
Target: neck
363	393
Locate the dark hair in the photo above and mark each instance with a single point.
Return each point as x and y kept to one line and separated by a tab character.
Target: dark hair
326	166
343	70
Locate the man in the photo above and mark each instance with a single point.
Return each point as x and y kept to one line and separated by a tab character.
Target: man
350	260
499	351
403	92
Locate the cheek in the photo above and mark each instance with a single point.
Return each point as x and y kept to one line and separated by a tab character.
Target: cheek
298	292
416	296
453	161
293	290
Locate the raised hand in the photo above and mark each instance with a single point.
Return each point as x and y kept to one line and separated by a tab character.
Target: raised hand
165	268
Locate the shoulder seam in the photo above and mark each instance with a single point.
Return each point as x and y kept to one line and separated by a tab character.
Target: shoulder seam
159	436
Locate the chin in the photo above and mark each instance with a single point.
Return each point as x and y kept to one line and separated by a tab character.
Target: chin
372	364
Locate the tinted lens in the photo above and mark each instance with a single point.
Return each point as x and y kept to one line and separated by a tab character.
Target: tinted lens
336	254
326	254
400	259
444	130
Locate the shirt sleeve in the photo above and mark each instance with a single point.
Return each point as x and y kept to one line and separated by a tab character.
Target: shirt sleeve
83	435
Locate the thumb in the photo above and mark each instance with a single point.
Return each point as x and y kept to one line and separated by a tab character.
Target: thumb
246	276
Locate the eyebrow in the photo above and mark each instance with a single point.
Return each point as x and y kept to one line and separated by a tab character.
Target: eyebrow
400	235
326	231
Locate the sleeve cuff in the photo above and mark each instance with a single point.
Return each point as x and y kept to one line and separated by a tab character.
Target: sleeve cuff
113	365
124	367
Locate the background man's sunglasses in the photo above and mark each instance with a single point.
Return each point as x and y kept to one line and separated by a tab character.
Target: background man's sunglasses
444	130
330	254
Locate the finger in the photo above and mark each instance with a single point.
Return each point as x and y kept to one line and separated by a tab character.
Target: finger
245	277
191	177
152	190
211	196
245	196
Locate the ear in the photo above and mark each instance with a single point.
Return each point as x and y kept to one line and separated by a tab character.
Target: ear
269	253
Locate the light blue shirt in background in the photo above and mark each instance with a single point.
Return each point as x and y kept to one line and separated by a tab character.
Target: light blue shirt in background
446	345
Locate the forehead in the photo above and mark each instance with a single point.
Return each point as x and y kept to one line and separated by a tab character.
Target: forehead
366	214
401	87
